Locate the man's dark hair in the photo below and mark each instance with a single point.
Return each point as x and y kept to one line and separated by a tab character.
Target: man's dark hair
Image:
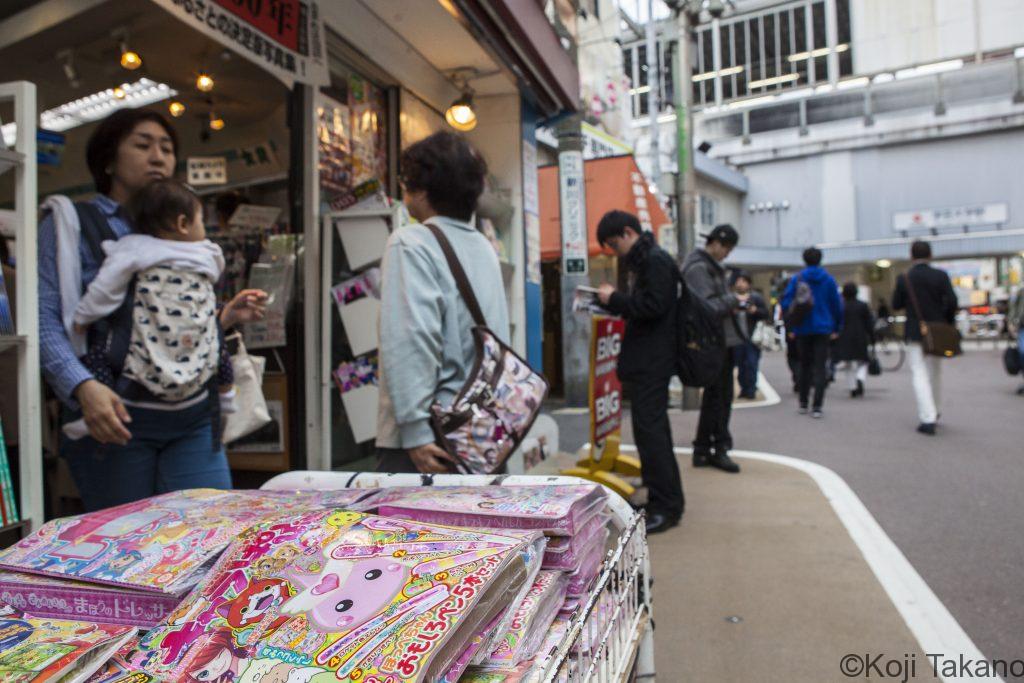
614	224
812	256
101	150
228	202
156	207
850	290
449	170
741	275
920	250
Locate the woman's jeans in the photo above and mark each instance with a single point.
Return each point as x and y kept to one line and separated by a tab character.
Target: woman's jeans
747	359
169	451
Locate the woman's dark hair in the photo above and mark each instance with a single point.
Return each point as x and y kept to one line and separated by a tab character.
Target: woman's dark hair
101	150
614	224
449	170
920	250
850	290
156	207
812	256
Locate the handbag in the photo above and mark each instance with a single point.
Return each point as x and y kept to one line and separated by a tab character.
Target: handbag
500	399
1012	360
874	367
251	406
937	338
763	336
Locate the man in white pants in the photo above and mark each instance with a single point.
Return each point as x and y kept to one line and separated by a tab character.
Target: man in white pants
931	299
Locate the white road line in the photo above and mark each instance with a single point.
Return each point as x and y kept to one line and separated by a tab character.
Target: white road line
935	629
771	397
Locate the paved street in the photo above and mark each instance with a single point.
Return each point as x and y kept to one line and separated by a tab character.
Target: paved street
953	504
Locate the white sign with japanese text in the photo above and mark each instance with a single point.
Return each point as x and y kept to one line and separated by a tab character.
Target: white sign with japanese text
574	212
971	216
207	170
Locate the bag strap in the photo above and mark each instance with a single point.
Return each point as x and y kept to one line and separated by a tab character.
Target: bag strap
461	281
917	306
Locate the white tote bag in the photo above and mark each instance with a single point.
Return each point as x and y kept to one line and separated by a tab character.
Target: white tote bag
251	407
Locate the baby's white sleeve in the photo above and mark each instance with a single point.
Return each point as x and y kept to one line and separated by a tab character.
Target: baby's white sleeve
108	290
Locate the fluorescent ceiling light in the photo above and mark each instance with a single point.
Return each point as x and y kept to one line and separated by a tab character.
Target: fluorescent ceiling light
883	78
851	83
96	106
820	52
640	91
751	102
933	68
707	75
764	82
1019	52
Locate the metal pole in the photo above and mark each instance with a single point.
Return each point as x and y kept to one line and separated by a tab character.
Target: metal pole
654	93
573	214
686	178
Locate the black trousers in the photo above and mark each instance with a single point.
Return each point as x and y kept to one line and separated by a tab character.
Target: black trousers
814	353
716	410
653	435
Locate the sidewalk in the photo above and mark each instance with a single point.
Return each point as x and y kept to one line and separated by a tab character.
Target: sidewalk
766	547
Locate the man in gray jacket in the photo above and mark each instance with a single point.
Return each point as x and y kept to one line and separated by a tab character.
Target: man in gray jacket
705	278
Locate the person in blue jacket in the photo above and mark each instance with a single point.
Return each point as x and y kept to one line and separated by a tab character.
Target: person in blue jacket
817	329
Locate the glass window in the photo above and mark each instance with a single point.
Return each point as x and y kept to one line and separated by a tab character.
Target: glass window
818	18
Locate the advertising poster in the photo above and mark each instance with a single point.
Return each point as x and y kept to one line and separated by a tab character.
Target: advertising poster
605	388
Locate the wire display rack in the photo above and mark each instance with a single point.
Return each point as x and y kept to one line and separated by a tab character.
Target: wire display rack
610	637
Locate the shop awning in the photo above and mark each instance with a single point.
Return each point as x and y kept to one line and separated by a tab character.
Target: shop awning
612	183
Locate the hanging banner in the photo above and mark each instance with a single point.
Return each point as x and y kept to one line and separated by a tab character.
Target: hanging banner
605	388
285	37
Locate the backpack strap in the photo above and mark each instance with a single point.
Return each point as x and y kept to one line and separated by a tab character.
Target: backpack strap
94	229
461	281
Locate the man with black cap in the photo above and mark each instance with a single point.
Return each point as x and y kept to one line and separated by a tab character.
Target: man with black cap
705	278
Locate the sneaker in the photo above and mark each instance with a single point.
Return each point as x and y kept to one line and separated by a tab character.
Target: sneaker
926	428
802	410
817	414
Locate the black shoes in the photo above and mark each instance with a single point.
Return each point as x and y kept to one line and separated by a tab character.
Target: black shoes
656	522
723	462
859	391
926	428
700	459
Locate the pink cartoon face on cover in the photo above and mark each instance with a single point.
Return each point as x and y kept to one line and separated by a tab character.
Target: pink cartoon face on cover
347	593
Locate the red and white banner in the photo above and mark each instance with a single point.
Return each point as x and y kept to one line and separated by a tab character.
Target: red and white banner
605	388
285	37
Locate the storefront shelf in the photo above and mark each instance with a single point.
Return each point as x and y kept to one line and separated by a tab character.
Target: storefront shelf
9	159
10	341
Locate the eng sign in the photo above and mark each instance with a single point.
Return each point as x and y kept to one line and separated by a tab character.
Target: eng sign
605	388
285	37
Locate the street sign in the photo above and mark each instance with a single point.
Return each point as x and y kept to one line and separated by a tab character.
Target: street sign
970	216
605	387
574	212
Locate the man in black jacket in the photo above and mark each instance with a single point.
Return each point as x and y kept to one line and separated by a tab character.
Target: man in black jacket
705	277
647	359
935	302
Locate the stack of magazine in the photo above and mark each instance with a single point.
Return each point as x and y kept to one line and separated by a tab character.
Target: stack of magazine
8	508
6	319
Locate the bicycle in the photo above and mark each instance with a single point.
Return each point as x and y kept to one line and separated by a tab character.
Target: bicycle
889	348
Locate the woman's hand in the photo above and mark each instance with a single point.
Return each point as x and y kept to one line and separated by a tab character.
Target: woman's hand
430	459
105	415
248	306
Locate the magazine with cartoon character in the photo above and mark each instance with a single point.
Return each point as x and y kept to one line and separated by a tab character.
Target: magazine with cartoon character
353	596
531	620
161	544
557	510
42	650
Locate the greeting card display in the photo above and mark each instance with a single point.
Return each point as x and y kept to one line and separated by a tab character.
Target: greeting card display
555	510
161	544
41	650
360	597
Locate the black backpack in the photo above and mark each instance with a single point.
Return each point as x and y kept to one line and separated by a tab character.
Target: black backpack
699	340
801	306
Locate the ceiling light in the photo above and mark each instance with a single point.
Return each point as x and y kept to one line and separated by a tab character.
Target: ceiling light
933	68
204	82
119	92
129	58
765	82
461	115
883	263
216	122
820	52
176	108
707	75
96	106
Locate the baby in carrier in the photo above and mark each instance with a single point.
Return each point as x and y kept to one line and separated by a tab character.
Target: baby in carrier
159	282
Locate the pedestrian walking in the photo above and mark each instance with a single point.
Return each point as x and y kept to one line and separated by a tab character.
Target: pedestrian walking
814	317
851	350
704	275
647	359
927	295
427	348
747	355
144	450
1015	319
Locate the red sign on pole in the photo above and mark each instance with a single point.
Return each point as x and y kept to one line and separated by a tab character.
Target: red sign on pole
605	388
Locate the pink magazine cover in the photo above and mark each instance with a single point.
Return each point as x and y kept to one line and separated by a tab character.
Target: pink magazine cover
556	510
161	544
350	595
44	596
568	558
530	621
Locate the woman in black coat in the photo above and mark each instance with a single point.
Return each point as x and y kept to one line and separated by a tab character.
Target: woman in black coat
851	349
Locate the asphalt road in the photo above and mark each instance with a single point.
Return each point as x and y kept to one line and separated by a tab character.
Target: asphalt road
954	503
